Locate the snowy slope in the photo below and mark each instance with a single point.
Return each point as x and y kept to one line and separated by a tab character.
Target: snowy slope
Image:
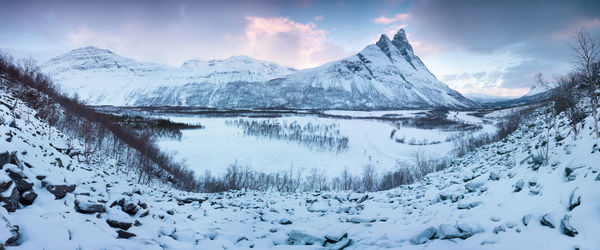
385	75
495	198
100	76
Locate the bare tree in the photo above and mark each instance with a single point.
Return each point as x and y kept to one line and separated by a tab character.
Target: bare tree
587	54
548	115
567	99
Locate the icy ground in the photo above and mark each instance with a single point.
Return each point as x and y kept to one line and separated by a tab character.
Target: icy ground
495	198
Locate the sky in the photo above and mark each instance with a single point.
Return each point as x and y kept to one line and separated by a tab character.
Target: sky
474	46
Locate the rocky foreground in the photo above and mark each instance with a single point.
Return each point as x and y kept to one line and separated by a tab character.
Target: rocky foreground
502	196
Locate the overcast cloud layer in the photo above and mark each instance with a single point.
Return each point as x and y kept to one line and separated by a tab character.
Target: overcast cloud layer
492	47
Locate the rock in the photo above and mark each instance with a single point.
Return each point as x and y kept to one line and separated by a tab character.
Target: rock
5	182
463	205
85	207
468	229
526	219
364	198
547	220
335	239
574	199
519	185
566	228
535	190
124	234
473	186
570	172
468	176
499	228
285	221
11	203
427	234
40	177
129	208
19	179
358	220
171	212
60	191
9	233
446	231
5	158
598	177
118	224
297	237
28	198
494	176
342	244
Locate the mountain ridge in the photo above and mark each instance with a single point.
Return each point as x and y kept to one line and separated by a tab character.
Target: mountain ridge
385	75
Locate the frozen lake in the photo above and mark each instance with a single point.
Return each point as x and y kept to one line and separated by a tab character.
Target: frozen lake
221	142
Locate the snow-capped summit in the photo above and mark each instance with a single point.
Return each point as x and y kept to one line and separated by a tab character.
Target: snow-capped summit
385	75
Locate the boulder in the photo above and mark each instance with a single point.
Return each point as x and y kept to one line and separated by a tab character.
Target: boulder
130	208
446	231
519	185
28	198
574	199
427	234
473	186
19	179
499	228
86	207
60	191
548	220
494	176
297	237
118	224
468	229
5	182
285	221
124	234
5	158
11	203
526	219
566	228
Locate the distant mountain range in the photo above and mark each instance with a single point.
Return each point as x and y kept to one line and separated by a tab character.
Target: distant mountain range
384	75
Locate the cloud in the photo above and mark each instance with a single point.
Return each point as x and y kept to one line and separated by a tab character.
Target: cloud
486	82
393	19
288	42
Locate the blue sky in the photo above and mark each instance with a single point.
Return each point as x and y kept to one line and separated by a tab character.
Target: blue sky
492	47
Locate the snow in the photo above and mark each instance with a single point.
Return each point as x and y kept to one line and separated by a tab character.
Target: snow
386	75
385	219
218	145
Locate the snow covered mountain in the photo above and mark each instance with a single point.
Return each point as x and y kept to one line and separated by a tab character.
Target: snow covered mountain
385	75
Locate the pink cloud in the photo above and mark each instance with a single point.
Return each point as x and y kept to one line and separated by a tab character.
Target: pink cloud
393	19
568	32
291	43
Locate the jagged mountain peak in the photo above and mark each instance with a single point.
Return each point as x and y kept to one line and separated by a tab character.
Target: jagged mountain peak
401	41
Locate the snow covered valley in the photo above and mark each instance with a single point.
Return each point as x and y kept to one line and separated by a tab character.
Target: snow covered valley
497	197
351	140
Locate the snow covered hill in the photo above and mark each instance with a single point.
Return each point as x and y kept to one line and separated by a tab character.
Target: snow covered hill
99	76
497	197
385	75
